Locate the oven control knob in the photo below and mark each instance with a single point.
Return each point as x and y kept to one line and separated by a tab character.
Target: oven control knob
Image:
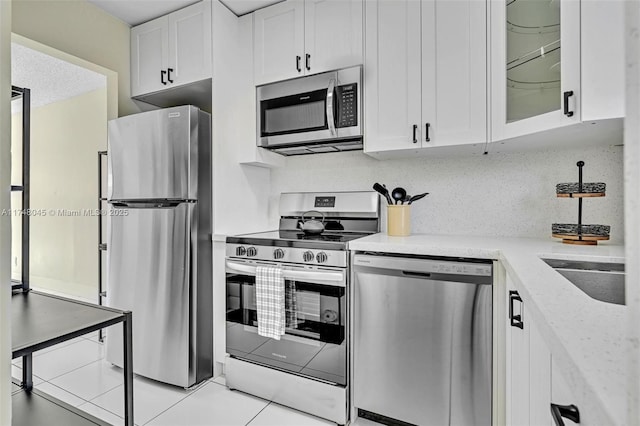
321	257
251	251
241	251
308	256
278	254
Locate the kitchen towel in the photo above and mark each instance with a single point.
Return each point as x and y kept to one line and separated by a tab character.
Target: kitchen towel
291	305
270	295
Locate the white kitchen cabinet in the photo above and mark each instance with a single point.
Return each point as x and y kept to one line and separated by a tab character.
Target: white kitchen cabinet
517	347
602	59
554	65
535	66
454	72
528	362
149	56
233	42
297	37
171	51
539	378
278	42
425	74
563	395
392	75
190	43
332	34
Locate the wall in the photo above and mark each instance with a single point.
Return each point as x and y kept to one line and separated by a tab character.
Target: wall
632	208
5	224
79	28
65	138
505	194
241	192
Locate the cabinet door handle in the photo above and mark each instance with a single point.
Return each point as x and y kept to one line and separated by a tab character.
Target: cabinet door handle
169	71
307	61
415	130
298	63
426	131
162	73
567	95
516	320
570	412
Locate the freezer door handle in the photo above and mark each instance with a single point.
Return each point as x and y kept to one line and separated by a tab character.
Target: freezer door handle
147	204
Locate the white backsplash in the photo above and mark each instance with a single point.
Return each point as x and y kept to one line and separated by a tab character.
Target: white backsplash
502	194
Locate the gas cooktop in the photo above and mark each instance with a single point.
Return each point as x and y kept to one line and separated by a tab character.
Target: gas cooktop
345	216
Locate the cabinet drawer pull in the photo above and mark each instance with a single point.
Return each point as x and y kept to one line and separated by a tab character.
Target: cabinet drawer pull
298	63
426	131
567	95
570	412
162	73
169	71
415	130
516	320
307	62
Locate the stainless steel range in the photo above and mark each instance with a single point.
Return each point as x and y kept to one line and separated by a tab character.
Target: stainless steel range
307	368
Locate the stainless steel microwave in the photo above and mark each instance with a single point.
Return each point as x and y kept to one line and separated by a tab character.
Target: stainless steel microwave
311	114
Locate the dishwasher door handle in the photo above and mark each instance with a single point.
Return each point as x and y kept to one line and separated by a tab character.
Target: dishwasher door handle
417	274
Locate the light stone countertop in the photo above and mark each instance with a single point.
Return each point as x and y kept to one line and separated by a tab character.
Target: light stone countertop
586	337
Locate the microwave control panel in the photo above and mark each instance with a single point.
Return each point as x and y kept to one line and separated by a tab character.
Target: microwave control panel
347	99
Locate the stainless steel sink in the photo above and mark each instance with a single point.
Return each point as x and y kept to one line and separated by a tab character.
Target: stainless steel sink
599	280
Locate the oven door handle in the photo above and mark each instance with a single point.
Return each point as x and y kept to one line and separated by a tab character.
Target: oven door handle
331	120
309	276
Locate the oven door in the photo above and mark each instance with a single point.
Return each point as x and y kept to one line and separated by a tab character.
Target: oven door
314	344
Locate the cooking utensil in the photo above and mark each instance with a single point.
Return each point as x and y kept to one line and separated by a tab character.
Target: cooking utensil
398	194
417	197
312	226
382	190
406	199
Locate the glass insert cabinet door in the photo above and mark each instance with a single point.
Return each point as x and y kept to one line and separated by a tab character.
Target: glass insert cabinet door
535	65
533	58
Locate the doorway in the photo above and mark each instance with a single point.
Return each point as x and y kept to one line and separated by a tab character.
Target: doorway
71	102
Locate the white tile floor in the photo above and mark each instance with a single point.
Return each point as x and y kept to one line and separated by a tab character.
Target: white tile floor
77	374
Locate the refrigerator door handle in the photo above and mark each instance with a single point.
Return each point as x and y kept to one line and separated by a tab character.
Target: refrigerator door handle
166	204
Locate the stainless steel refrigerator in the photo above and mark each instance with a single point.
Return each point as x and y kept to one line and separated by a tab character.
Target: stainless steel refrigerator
159	262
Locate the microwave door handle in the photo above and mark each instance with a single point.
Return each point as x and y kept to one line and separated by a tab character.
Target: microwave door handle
330	112
290	274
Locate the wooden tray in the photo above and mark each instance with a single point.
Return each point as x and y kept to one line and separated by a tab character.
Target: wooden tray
584	239
581	195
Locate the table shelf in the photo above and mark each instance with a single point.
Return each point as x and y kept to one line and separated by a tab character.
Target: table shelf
38	408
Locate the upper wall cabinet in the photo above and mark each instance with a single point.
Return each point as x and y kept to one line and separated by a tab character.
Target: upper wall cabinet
425	74
535	64
172	50
602	59
554	64
297	37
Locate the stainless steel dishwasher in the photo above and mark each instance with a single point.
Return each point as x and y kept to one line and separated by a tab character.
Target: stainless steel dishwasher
422	340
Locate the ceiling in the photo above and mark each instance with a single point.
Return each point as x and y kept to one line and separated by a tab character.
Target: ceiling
135	12
49	79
